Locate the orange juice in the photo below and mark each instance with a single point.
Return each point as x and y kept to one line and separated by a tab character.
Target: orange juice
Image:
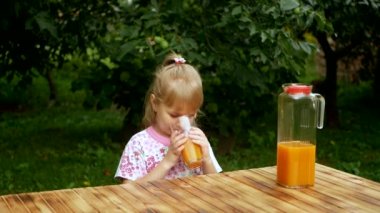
192	155
295	164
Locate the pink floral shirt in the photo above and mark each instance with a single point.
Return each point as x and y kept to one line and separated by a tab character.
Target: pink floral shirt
143	153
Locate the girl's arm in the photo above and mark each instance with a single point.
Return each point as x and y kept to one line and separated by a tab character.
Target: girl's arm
208	166
159	172
171	158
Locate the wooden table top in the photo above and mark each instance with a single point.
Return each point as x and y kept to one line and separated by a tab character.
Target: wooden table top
237	191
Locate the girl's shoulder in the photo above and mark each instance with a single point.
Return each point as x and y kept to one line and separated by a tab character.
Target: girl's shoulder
149	137
142	135
138	140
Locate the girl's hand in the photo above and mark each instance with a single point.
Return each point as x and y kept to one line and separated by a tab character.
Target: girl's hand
177	144
199	137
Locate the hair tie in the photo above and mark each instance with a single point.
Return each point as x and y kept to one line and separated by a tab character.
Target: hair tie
179	60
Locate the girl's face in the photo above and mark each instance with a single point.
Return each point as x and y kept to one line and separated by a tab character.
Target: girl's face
167	117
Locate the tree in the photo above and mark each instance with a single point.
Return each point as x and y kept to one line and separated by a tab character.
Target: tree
244	51
37	35
354	33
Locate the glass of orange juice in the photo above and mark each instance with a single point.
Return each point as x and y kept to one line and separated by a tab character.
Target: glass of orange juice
192	153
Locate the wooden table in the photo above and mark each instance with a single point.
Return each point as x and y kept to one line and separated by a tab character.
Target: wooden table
238	191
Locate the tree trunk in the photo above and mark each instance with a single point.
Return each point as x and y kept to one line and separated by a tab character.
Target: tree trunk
329	88
227	145
52	87
376	82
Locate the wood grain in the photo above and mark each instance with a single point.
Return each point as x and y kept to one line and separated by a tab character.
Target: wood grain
251	190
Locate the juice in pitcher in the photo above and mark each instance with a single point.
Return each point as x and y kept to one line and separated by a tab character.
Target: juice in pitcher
295	164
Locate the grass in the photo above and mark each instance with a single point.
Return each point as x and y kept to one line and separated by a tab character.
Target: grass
67	146
355	146
58	149
64	146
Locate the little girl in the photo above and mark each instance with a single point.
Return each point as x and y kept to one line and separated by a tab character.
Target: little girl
155	152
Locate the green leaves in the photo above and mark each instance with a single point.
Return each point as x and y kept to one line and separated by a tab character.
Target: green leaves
239	48
44	22
286	5
126	48
236	11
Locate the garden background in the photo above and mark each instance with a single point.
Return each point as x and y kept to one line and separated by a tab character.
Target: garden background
73	76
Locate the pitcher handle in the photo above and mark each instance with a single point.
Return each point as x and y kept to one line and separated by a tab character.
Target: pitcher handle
320	109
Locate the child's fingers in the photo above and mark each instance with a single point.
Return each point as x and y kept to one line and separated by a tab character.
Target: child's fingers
177	143
198	135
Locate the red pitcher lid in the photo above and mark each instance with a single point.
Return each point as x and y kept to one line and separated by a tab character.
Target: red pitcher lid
295	88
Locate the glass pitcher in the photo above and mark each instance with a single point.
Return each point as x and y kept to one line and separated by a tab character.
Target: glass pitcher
300	113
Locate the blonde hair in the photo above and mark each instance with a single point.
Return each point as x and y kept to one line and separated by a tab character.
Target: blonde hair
174	82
